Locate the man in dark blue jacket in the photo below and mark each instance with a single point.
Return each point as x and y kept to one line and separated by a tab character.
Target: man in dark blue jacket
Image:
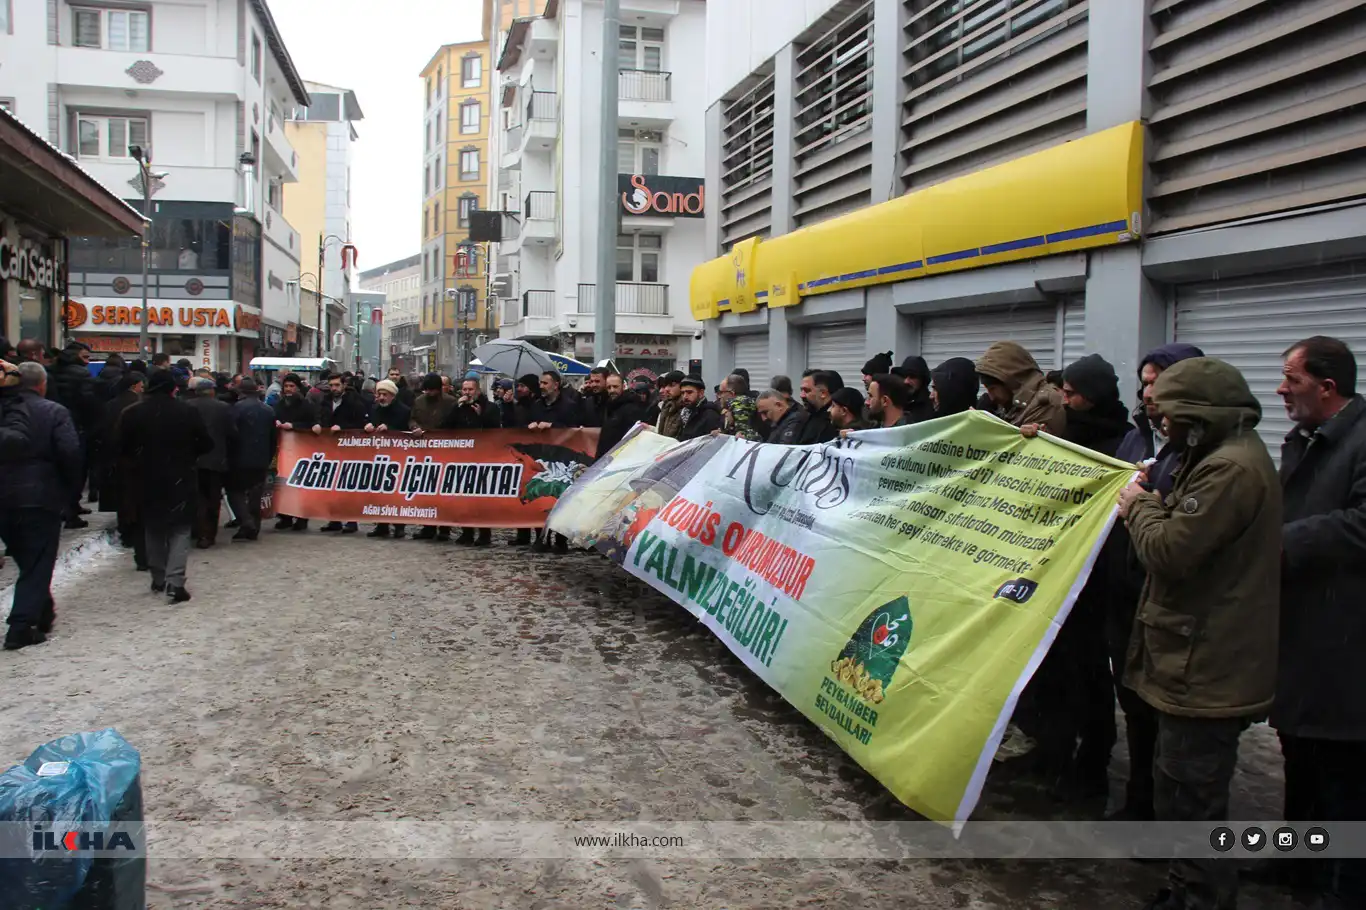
252	449
34	492
1142	443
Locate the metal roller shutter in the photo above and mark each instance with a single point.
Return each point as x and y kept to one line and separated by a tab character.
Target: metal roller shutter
1250	321
1073	330
839	348
969	334
751	353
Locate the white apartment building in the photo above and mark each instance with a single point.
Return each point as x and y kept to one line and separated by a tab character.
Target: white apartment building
319	206
547	146
401	283
203	86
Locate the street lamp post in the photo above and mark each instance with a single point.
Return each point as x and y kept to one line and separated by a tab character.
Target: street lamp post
143	157
346	246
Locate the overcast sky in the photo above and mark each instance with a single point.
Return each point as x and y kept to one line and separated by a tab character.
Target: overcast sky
344	43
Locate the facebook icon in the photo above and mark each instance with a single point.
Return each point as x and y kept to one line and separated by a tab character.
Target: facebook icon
1221	839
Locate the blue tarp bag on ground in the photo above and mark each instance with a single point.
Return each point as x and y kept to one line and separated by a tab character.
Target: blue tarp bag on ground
79	782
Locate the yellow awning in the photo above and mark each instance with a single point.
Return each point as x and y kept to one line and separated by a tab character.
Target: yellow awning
1079	195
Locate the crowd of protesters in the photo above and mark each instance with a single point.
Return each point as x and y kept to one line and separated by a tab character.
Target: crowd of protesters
1223	595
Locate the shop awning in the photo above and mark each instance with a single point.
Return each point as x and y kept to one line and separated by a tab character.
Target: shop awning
44	186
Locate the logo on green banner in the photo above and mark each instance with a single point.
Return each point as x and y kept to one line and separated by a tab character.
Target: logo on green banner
872	656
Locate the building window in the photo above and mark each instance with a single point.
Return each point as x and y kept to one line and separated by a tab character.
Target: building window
440	137
638	257
5	19
469	117
437	180
468	203
469	164
111	29
471	71
256	57
440	78
427	180
275	194
427	144
466	263
429	91
436	218
639	151
642	48
109	137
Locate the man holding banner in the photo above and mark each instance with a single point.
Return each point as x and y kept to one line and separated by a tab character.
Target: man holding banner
473	411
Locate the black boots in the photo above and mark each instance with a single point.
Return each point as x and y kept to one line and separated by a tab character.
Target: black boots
22	636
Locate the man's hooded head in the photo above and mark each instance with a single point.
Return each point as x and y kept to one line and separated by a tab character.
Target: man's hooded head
954	386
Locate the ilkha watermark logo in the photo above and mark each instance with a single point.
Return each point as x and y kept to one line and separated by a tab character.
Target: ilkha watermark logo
75	840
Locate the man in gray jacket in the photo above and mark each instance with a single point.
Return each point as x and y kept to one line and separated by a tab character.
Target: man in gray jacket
34	492
213	465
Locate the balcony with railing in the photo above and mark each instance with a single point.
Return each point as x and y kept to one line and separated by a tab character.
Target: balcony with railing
645	85
532	314
538	219
512	148
642	307
279	152
646	97
541	117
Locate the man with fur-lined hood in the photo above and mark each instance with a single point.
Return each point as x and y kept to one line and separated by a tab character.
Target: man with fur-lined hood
1016	387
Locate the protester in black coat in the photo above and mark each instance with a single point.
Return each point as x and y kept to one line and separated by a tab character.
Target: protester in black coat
700	416
784	415
35	488
74	388
213	465
624	410
553	408
593	400
953	386
343	408
1072	695
163	439
917	375
107	383
817	390
252	449
1320	707
294	411
473	410
516	411
388	413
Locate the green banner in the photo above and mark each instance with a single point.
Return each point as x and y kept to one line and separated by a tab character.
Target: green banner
899	587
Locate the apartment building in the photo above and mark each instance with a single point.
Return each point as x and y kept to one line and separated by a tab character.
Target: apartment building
324	135
202	87
549	146
928	176
456	113
401	284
